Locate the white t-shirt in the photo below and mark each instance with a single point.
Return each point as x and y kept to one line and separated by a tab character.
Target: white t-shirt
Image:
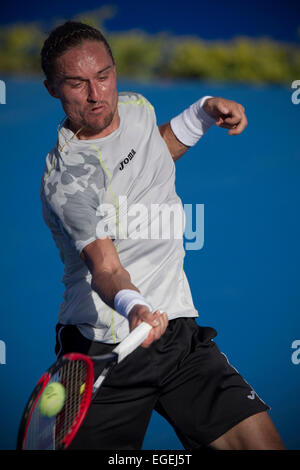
122	186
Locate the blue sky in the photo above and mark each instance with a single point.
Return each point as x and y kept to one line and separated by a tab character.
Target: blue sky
214	19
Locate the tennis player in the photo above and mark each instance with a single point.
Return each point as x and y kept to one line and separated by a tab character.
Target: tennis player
111	165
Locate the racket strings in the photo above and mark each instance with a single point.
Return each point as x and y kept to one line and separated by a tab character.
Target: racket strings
40	433
48	433
73	377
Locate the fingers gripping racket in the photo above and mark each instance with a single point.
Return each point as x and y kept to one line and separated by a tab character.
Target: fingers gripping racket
62	396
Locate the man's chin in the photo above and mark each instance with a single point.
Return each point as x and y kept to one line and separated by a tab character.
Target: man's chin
92	126
96	126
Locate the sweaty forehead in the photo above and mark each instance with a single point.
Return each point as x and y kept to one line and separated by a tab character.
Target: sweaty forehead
87	58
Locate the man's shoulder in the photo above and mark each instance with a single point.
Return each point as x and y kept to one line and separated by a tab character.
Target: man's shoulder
134	99
50	164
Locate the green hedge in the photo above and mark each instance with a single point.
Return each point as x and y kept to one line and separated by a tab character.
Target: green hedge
142	56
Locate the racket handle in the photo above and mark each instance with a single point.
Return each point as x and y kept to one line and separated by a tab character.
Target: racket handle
132	341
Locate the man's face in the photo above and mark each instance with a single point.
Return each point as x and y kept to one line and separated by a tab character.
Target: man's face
85	82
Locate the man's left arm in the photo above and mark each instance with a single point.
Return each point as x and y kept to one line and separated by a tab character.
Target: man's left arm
184	130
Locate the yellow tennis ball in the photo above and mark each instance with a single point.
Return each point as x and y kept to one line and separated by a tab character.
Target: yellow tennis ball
52	399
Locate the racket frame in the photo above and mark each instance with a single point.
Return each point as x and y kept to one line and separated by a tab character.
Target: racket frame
128	345
38	390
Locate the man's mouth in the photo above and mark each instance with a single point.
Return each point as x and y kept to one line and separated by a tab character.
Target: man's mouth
97	109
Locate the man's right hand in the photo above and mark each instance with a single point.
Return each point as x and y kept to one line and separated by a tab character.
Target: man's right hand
157	319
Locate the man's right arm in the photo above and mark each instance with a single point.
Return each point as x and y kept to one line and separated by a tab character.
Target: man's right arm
109	277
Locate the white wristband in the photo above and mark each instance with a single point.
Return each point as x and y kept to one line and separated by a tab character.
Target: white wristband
192	123
126	299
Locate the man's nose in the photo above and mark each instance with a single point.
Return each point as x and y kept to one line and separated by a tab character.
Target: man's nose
94	92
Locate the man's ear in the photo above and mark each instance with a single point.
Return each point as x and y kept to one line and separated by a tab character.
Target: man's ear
51	89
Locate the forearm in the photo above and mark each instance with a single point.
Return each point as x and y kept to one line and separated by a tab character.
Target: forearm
176	148
184	130
112	282
117	291
108	283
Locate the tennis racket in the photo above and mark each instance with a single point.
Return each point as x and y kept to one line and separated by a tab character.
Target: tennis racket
75	373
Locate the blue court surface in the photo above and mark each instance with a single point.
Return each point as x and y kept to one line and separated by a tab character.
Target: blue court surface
244	280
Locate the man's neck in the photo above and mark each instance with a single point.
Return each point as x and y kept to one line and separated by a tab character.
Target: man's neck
90	134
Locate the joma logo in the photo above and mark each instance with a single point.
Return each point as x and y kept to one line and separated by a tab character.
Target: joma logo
127	159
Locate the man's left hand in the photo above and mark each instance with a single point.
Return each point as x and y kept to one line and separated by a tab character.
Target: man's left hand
229	114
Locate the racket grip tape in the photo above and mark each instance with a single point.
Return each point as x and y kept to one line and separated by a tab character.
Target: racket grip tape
132	341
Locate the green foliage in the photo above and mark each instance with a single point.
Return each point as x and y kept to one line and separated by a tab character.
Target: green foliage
20	47
96	18
243	60
136	54
139	55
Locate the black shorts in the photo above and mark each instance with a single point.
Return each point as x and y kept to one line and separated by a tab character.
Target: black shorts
183	376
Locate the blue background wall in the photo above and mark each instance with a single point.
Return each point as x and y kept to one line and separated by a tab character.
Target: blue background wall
245	280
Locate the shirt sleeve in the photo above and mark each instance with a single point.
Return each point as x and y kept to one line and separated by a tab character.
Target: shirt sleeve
78	209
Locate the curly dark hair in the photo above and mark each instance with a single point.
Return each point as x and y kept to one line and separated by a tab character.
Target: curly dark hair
63	38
